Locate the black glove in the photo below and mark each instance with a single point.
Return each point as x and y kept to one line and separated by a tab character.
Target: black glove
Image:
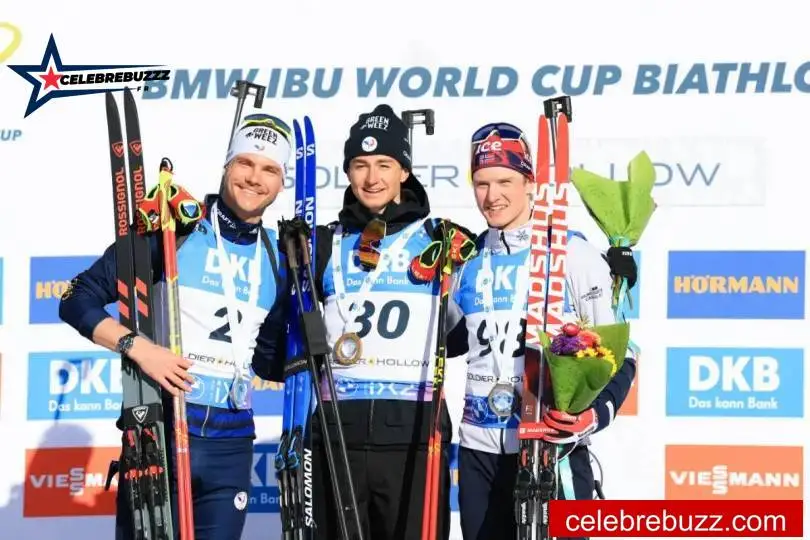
622	264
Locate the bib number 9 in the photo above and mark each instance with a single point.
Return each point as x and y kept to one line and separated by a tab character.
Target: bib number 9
391	319
486	345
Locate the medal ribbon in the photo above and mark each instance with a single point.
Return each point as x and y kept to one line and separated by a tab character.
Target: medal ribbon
348	314
519	301
239	341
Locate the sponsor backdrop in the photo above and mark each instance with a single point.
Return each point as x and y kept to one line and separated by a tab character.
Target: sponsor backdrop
718	408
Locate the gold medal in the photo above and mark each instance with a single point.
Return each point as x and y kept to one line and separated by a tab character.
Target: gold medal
348	349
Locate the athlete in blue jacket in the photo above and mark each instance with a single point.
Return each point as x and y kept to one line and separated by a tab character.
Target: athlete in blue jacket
229	330
488	311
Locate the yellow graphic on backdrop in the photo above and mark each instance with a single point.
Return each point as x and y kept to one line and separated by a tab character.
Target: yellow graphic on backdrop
16	37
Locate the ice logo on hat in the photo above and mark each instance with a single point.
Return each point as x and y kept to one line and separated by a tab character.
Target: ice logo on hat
497	150
369	144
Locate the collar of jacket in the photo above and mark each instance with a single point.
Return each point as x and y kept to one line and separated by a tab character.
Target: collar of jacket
511	241
231	227
413	205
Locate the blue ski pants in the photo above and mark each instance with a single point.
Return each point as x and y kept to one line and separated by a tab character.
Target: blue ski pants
486	484
220	488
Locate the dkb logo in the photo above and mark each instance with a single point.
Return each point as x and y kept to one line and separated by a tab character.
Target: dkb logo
738	382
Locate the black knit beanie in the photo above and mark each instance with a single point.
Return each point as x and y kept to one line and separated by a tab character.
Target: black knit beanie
380	132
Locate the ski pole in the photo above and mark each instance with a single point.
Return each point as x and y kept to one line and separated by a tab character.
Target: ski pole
294	232
548	482
433	472
242	89
183	462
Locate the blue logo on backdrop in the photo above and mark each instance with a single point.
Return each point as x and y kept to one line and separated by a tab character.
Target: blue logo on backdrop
264	495
50	279
268	397
735	382
736	285
74	385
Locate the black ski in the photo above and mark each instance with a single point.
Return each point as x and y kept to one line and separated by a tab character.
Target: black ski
144	458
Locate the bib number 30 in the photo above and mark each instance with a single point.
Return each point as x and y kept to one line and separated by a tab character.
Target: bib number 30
390	322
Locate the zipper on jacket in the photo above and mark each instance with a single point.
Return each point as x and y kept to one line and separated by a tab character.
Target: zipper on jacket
202	429
370	418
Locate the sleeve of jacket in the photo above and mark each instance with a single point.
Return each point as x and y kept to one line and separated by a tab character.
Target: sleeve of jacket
82	305
589	284
457	335
270	353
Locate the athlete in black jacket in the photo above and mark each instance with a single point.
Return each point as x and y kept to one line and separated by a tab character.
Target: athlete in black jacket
384	394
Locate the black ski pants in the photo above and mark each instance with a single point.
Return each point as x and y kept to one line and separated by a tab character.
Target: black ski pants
486	485
389	483
220	489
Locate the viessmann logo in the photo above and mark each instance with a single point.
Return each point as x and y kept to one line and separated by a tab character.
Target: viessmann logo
734	472
69	482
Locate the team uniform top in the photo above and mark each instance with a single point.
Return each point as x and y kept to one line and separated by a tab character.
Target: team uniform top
395	317
588	286
219	403
381	396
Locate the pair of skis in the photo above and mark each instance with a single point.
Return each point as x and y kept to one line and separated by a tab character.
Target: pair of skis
293	460
144	460
307	351
536	482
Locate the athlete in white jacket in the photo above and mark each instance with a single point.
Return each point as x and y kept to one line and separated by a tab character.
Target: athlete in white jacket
491	290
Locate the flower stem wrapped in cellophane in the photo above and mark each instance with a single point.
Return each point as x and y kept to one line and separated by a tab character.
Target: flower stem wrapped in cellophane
621	209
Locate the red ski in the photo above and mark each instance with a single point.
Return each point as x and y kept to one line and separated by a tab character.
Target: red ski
536	482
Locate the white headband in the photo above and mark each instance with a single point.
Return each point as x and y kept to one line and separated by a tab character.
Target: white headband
263	141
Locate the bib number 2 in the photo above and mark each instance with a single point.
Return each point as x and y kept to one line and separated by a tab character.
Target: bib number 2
391	319
223	332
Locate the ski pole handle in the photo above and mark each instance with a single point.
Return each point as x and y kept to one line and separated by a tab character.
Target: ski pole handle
416	117
241	90
552	107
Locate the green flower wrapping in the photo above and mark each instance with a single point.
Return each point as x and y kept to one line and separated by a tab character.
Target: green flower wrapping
576	378
622	209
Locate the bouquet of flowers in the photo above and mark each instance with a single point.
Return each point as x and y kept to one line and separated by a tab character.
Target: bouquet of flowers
582	360
621	209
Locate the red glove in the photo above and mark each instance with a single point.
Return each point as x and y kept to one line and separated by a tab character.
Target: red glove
567	428
186	209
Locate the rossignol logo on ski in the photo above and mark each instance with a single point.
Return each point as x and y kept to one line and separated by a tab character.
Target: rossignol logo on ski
140	413
51	79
